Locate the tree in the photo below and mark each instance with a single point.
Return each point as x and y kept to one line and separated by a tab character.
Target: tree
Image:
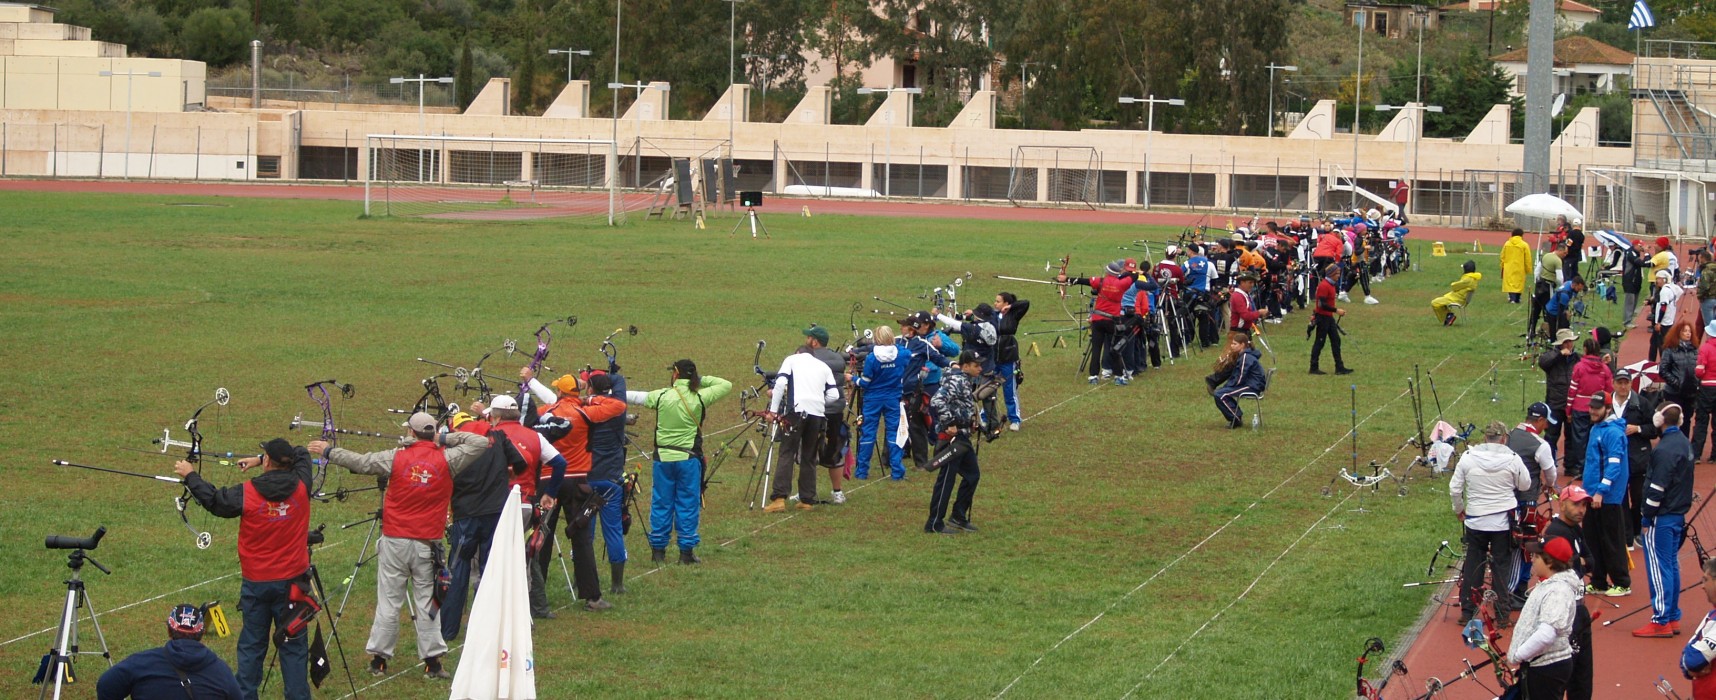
216	36
465	85
1466	92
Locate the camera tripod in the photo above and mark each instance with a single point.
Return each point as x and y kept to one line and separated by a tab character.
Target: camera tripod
756	223
57	663
365	556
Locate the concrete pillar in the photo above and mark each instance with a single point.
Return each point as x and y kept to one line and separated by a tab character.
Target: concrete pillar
1132	187
1223	189
955	179
1314	194
1042	184
525	164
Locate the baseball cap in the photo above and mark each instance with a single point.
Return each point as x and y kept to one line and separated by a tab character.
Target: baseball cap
279	450
1600	398
566	384
1495	429
421	422
1662	241
1710	328
185	618
1623	374
1564	335
1131	265
817	332
1574	493
1557	548
459	419
505	402
1541	410
1662	274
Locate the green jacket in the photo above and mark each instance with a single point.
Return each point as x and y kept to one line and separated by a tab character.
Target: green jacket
679	414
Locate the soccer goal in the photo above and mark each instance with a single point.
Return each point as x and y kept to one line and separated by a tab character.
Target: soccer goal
495	178
1055	175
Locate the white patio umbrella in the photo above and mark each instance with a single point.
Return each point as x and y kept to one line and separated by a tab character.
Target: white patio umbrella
1542	206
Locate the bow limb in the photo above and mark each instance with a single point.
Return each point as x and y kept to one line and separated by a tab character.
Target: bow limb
194	455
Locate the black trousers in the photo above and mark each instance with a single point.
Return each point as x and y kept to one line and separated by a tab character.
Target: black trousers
1554	435
1495	549
1605	534
965	469
1539	297
834	439
1102	353
1547	682
574	498
1579	683
1327	332
801	440
1206	319
1704	419
918	440
1635	500
1657	333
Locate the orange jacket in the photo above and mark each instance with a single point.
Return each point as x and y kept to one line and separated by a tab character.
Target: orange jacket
575	446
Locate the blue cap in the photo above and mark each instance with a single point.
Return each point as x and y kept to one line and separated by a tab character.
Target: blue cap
1541	410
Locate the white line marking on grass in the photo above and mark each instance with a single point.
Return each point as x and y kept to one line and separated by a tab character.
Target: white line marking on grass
1344	435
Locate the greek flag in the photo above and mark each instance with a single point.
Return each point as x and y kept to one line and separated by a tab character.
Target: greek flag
1641	16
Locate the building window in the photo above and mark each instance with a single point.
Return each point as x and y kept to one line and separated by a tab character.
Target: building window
1382	23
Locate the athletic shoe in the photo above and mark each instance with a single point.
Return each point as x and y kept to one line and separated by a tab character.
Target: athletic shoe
1107	374
1368	299
432	669
1448	319
1343	297
776	505
943	530
1654	631
1121	381
1272	320
1314	370
1094	380
377	666
1013	426
1618	592
839	497
598	605
1343	370
968	527
1591	590
544	616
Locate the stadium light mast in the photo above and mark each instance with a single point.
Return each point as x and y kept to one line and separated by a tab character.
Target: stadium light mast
1150	134
637	160
888	132
1272	69
129	74
569	54
1417	116
422	126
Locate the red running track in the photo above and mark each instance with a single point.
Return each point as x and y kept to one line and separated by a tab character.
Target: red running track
1625	666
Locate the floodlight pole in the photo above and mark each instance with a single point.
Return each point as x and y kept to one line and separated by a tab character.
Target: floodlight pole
771	60
1272	69
569	54
1358	91
1023	78
1417	135
637	160
888	133
614	177
732	52
422	124
129	74
1150	133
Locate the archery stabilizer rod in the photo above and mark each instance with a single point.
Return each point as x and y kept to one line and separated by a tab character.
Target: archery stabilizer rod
157	477
889	303
299	422
1028	279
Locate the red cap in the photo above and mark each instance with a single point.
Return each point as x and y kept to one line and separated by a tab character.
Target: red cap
1662	242
1559	549
1131	265
1575	493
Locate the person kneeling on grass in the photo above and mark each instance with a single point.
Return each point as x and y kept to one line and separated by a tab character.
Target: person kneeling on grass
1541	647
1245	375
1668	495
1459	293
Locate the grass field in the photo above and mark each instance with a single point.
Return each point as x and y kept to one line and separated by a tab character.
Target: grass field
1131	544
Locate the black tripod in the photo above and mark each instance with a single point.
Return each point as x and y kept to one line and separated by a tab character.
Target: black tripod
365	556
319	593
57	663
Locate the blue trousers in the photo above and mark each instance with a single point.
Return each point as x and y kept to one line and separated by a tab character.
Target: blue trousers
263	604
1578	435
468	539
613	535
1009	389
1227	401
1662	563
675	503
880	412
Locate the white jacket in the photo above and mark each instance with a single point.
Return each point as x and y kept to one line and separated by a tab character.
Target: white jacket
1486	479
811	381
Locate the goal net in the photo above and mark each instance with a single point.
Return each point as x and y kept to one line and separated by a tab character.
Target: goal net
1054	175
495	178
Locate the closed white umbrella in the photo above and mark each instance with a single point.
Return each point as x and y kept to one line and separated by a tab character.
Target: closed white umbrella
499	661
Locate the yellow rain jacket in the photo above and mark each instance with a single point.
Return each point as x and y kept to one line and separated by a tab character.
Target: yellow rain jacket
1515	265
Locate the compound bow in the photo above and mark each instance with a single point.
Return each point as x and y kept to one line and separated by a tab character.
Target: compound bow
610	351
1366	691
318	393
194	455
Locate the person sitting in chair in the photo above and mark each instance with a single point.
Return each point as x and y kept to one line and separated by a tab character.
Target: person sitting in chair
1244	375
1459	292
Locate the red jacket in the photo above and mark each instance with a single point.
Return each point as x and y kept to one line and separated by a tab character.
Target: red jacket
1330	245
1705	370
1590	376
1108	289
1326	296
575	446
1242	317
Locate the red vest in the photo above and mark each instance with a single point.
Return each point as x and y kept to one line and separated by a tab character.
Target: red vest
273	537
1108	290
529	444
418	493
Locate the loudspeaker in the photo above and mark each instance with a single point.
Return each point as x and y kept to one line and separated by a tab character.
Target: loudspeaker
752	198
